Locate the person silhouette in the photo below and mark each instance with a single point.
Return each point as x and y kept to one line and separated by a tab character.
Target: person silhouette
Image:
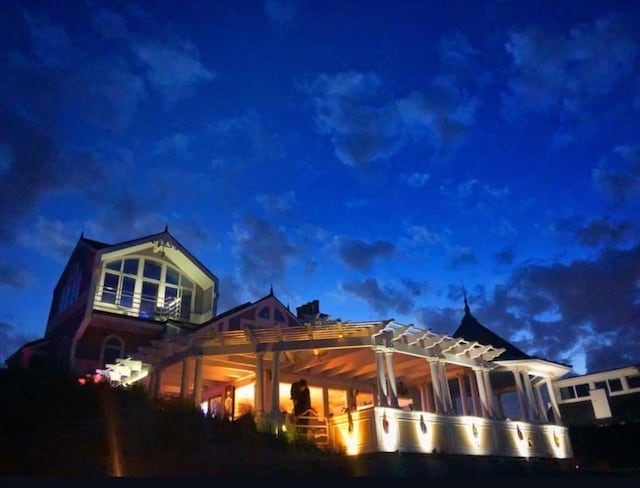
301	403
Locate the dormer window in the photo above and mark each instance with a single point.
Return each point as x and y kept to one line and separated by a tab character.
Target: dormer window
147	288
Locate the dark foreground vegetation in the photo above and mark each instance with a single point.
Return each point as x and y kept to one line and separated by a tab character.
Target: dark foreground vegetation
51	427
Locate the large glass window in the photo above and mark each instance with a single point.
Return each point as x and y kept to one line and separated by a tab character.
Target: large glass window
150	288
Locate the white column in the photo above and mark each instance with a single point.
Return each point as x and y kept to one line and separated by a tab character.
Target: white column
185	378
197	382
524	412
530	398
463	394
554	401
325	401
483	392
382	381
475	401
436	384
487	385
541	408
428	395
275	385
446	391
393	387
422	393
258	399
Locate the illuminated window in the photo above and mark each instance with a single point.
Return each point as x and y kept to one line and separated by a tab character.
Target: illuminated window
146	287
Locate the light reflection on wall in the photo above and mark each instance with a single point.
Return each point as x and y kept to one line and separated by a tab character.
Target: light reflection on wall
383	429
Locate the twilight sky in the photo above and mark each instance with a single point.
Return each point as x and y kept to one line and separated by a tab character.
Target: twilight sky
374	155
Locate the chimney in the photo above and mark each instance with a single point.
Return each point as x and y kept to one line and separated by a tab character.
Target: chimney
311	308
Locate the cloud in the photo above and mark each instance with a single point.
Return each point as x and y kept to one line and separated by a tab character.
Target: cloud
461	256
563	311
384	298
602	231
568	74
246	137
360	255
415	180
26	175
368	125
50	44
617	187
279	205
13	275
264	253
173	68
11	339
51	237
504	257
418	236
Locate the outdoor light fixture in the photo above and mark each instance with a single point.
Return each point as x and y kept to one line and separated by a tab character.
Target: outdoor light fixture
423	425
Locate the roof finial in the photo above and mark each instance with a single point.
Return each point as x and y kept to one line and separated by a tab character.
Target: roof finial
166	227
271	289
464	294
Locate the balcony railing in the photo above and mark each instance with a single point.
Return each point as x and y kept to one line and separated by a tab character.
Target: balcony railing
145	306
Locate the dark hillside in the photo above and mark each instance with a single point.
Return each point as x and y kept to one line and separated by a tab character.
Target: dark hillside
50	427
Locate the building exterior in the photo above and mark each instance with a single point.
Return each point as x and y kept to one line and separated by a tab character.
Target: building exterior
145	311
112	299
605	398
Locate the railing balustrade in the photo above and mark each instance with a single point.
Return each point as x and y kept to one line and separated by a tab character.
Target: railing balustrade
148	306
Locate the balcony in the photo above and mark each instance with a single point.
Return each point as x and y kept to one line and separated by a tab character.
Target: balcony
138	305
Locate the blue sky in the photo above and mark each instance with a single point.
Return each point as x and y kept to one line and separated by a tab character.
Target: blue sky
373	155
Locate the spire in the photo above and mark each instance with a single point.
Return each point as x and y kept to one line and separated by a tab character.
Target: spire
467	310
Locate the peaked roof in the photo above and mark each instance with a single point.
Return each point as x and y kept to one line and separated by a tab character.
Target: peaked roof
472	330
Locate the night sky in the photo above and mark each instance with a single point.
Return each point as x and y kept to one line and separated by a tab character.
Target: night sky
379	156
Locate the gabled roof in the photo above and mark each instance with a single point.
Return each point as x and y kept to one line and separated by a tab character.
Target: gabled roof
160	240
97	245
472	330
242	309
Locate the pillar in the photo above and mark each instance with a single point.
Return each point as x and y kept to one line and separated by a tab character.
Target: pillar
185	378
197	382
554	401
489	388
275	386
393	387
382	381
258	399
524	411
463	394
436	384
533	410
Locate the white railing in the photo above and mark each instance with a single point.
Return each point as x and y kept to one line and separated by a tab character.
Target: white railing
148	306
309	425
